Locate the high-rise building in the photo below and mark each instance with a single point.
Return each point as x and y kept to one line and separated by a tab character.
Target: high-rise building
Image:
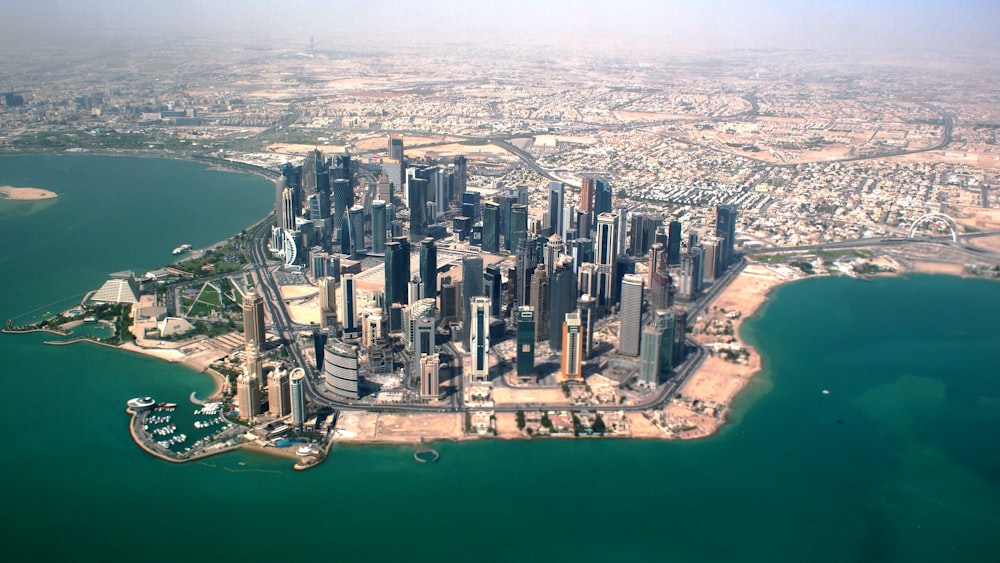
680	335
449	300
278	400
253	321
428	268
289	210
479	339
586	279
607	240
341	369
630	315
297	396
557	193
493	288
356	227
562	298
649	356
327	301
491	227
517	228
674	244
572	347
664	320
397	270
587	188
384	188
602	197
429	370
725	229
461	176
378	227
423	336
539	299
248	396
685	288
711	251
473	285
343	199
347	312
416	200
585	306
395	151
527	259
525	342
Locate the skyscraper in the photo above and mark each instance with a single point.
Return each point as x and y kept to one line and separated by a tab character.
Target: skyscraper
725	229
572	348
461	176
395	151
423	336
674	244
562	298
518	227
607	241
539	300
493	288
587	189
428	268
341	369
397	270
429	369
602	197
556	196
348	313
356	227
630	315
416	200
297	395
473	282
378	227
278	400
649	356
327	301
253	321
491	227
525	342
343	199
527	259
585	306
248	396
288	210
479	339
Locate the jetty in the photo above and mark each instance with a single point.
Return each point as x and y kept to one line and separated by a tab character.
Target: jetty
424	449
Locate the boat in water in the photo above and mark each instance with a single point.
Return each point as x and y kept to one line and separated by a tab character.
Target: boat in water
182	249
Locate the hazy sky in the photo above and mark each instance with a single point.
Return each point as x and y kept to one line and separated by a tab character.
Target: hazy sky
339	24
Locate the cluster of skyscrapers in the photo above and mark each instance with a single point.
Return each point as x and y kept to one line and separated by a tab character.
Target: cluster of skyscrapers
570	269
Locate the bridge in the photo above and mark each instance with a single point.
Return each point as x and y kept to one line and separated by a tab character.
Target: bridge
931	217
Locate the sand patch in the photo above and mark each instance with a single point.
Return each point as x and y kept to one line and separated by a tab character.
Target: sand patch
26	194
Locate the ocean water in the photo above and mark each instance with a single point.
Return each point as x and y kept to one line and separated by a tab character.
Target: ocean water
899	461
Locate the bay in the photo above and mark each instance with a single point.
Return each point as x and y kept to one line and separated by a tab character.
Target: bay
898	462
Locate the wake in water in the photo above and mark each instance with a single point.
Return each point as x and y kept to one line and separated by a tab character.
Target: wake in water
942	504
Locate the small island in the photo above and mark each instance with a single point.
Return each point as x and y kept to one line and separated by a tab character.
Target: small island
26	194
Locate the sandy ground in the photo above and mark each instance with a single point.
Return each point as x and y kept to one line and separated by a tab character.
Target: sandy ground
508	396
303	303
357	426
642	427
717	381
10	192
507	426
937	268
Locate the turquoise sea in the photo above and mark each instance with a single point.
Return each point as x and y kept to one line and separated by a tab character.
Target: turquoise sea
900	461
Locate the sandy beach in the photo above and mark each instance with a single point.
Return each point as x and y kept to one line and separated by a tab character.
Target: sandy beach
708	393
26	194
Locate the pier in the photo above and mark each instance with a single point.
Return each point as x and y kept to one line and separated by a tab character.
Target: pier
424	449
